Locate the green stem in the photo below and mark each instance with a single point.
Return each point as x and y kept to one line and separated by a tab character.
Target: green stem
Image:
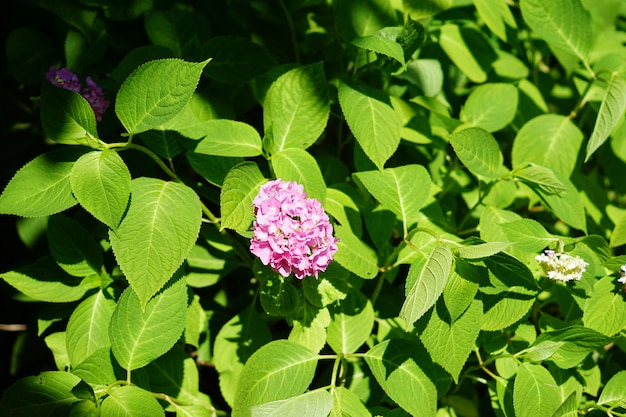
155	157
333	380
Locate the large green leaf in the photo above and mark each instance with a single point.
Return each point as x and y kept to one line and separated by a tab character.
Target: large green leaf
42	186
44	280
315	403
565	24
351	323
566	205
497	16
461	287
403	190
479	152
613	392
158	231
539	176
490	106
357	18
347	403
73	247
49	394
100	181
236	341
451	342
383	42
549	140
309	327
610	113
298	165
528	235
425	283
454	41
395	365
605	310
279	370
141	107
130	401
88	328
141	333
354	255
296	109
99	368
223	137
566	347
535	392
373	122
421	9
241	186
67	117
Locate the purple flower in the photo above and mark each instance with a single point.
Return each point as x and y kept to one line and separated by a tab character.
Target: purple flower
291	232
66	79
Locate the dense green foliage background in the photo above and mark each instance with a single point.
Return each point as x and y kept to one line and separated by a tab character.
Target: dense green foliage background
450	141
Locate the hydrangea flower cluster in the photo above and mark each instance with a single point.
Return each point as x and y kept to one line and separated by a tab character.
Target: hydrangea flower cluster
68	80
561	267
291	233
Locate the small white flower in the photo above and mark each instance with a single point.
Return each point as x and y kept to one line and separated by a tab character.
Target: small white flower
561	267
622	278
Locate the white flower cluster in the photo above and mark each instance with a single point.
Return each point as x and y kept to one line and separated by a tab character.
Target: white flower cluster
561	267
622	278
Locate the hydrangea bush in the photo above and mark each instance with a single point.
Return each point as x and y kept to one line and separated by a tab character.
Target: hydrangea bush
345	208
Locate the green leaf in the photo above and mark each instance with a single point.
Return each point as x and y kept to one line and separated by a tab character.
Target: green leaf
566	347
394	364
382	43
347	403
278	296
315	403
549	140
223	137
73	247
88	327
141	333
564	24
44	280
461	287
236	341
490	106
298	165
98	368
479	152
141	107
528	235
130	401
47	394
67	117
42	186
403	190
605	310
344	210
351	324
356	18
480	250
100	181
309	327
279	370
354	255
537	175
158	231
610	113
567	205
426	283
453	41
164	142
451	342
618	235
296	108
497	16
421	9
372	120
241	186
613	393
535	392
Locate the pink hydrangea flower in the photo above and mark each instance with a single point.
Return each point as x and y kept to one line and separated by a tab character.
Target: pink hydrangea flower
292	233
68	80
